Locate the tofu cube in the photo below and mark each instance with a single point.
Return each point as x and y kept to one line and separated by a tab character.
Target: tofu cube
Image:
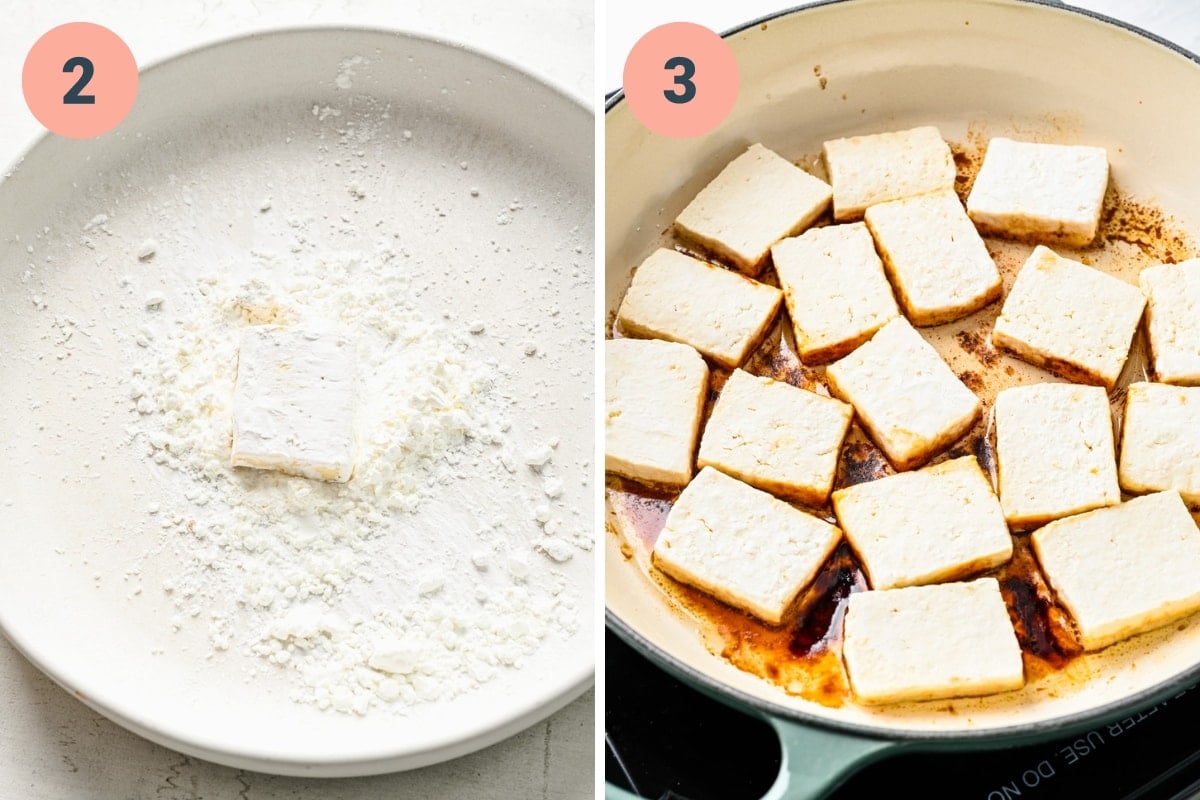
866	170
1173	320
1040	192
681	299
776	437
1054	452
836	293
931	642
1075	321
741	545
1123	570
758	199
934	257
1160	440
293	403
905	396
936	524
654	393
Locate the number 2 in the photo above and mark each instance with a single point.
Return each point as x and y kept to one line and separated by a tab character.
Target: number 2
687	89
73	96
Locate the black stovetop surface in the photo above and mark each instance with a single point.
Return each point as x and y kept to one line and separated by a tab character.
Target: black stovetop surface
666	741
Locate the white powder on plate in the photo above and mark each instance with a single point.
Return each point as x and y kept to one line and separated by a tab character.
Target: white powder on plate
379	592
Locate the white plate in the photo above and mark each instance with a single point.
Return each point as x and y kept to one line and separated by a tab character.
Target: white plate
230	125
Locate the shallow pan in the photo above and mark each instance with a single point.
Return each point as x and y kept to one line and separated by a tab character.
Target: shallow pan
975	69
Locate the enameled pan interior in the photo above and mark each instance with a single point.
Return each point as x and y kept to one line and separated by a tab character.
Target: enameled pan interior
976	70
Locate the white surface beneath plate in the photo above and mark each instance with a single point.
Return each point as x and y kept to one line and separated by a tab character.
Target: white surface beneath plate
218	127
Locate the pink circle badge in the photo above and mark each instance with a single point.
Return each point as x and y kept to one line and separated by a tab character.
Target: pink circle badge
80	80
681	80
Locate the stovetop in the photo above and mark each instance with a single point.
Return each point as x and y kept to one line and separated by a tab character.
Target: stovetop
666	741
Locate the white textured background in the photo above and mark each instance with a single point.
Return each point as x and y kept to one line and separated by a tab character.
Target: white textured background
52	746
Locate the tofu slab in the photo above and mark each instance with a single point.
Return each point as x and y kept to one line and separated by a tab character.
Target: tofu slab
758	199
865	170
742	545
931	642
905	396
654	393
836	293
776	437
1040	192
1123	570
1054	452
1173	320
681	299
1075	321
934	257
294	403
936	524
1160	440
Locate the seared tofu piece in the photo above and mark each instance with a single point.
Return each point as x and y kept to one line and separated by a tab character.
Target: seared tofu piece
1173	320
776	437
294	403
742	545
681	299
936	524
1040	192
905	396
758	199
654	393
836	292
1075	321
1123	570
865	170
1054	452
1160	440
930	642
934	257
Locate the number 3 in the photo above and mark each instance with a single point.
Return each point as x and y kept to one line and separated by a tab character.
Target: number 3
687	89
73	96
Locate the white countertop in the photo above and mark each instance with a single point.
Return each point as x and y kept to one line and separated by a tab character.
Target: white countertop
52	746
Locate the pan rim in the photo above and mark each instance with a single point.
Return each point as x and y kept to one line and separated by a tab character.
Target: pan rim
981	738
614	98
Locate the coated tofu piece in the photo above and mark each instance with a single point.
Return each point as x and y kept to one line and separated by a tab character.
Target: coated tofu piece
1054	452
1075	321
836	292
758	199
1173	320
681	299
1160	440
905	396
294	403
742	545
776	437
936	524
934	257
654	393
1040	192
1123	570
930	642
866	170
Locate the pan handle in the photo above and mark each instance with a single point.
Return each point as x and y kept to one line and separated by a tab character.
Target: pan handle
816	761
